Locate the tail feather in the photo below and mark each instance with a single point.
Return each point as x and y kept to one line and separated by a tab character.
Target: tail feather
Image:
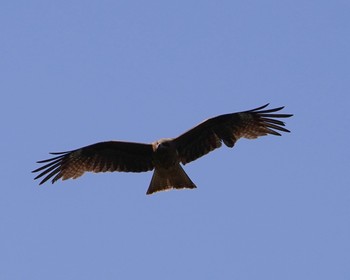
167	179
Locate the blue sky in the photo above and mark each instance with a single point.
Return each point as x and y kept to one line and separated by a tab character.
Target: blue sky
78	72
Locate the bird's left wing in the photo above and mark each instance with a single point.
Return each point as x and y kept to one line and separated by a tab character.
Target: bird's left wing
228	128
99	157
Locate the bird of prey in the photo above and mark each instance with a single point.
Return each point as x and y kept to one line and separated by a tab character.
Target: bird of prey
164	156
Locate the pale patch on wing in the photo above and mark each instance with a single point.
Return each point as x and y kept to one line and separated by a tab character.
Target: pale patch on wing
74	166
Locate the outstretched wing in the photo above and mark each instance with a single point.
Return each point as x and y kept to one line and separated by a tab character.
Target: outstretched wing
99	157
228	128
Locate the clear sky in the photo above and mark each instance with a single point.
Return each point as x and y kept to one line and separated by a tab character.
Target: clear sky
78	72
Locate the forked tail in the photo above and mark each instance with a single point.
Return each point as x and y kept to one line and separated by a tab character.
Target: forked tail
167	179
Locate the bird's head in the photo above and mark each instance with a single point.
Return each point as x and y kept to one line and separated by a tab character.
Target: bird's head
163	144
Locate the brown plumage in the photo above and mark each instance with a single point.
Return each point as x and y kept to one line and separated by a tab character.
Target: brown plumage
164	155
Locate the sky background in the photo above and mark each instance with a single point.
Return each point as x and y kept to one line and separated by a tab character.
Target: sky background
73	73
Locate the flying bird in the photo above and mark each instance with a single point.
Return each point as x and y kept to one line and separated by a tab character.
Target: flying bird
166	155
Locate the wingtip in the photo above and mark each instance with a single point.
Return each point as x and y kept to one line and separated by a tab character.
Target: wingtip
261	107
57	153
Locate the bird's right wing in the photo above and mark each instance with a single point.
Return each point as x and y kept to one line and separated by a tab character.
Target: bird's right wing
100	157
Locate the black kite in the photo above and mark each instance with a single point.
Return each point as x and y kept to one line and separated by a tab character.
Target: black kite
164	155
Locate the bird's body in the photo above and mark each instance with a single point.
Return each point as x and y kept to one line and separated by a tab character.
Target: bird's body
166	155
168	173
